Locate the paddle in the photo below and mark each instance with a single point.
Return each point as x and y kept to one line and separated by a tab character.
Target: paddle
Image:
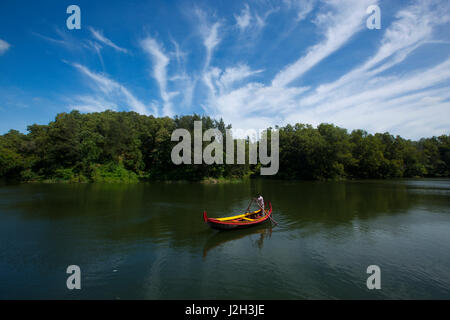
270	217
249	205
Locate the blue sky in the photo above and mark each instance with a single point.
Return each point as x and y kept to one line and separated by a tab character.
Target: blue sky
255	63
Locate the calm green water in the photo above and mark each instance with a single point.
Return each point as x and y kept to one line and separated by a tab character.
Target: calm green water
148	241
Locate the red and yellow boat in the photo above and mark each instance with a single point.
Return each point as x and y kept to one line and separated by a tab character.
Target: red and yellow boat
240	221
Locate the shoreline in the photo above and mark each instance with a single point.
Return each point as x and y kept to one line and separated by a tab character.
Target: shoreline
206	181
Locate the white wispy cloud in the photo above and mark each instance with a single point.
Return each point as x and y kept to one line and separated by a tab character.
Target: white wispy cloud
221	82
64	40
210	41
244	18
302	7
243	103
97	48
179	54
72	44
88	103
160	62
108	94
209	32
98	35
232	75
339	22
4	46
252	20
381	91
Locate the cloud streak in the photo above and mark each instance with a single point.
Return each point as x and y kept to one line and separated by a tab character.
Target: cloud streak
108	94
340	22
160	62
243	20
98	35
4	46
302	7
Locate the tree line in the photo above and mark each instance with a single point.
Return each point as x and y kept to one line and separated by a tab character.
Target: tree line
114	146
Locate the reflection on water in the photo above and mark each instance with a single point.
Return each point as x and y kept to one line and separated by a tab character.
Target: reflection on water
149	240
220	238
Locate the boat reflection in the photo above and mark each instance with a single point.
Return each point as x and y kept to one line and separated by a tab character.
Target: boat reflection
220	238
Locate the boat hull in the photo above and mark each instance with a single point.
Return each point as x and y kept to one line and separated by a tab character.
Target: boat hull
235	224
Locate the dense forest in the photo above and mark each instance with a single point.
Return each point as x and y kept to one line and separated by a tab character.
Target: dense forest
129	147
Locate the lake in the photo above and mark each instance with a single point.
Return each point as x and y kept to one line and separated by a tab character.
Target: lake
149	241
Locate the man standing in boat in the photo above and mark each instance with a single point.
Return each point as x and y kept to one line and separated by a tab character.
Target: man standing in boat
260	201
